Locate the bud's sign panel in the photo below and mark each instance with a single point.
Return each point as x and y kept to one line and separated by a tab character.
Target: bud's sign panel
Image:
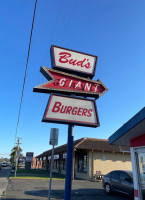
77	111
73	61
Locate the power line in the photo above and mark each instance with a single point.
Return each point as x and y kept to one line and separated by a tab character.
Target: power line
25	71
50	39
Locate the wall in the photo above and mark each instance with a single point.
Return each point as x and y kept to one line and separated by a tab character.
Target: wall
95	163
33	164
114	161
38	166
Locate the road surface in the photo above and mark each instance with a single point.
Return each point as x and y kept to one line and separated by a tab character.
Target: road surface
20	189
4	175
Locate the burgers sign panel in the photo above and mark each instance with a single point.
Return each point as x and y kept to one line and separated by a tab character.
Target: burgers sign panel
73	110
70	60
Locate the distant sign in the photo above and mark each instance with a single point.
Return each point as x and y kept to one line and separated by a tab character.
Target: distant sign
29	156
60	82
49	157
56	157
71	60
64	155
71	110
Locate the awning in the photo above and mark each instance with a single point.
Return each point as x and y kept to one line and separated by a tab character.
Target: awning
135	127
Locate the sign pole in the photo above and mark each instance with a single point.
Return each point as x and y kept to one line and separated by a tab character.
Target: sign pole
68	177
53	141
52	159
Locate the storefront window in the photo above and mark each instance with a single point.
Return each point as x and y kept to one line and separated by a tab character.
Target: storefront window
55	164
82	163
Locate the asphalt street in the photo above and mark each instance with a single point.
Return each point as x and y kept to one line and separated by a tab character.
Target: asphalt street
4	174
38	189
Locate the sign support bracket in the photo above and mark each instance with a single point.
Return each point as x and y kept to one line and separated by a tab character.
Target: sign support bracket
68	177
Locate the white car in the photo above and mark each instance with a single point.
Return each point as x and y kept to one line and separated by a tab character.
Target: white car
4	164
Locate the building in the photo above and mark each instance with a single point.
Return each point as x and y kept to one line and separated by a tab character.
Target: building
90	156
132	134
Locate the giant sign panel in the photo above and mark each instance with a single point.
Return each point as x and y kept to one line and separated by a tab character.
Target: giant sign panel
72	110
75	61
65	83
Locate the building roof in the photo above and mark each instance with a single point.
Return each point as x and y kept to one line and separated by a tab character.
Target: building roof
133	128
86	144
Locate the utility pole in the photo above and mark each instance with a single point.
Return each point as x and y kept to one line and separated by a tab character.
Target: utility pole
17	154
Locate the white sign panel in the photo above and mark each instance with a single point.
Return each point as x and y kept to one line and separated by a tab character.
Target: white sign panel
73	61
29	156
64	155
77	111
56	157
49	157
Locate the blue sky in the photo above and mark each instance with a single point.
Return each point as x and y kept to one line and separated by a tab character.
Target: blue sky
114	30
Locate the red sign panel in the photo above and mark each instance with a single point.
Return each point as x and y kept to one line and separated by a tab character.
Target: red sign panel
66	83
70	60
77	111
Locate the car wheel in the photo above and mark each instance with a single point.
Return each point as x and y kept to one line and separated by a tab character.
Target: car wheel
107	188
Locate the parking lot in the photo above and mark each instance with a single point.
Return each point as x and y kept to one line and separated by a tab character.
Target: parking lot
38	189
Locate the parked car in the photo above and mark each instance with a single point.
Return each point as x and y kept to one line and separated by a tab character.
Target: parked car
119	181
0	166
4	164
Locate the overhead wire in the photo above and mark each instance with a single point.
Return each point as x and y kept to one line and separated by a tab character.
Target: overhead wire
25	71
40	97
51	36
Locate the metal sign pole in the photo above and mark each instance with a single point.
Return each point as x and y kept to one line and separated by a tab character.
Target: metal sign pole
52	158
68	177
15	165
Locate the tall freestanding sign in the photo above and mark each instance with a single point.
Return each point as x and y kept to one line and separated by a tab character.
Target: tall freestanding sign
71	77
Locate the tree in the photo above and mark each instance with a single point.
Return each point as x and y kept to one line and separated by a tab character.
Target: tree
13	153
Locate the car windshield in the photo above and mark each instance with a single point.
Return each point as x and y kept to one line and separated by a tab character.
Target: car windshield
130	174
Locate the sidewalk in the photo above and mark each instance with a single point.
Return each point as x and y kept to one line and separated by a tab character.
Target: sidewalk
4	175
